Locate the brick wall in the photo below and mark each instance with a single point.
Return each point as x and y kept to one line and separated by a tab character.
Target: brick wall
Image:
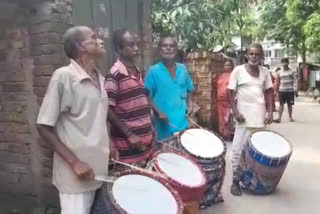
204	68
29	52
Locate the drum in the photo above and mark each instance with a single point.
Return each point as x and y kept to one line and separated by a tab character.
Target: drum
209	150
183	174
263	161
137	193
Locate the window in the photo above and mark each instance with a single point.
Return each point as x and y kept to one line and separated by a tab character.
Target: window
279	53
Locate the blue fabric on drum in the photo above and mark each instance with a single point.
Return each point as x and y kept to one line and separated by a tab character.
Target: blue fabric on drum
266	161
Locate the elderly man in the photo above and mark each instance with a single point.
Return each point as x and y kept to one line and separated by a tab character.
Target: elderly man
169	86
249	85
72	119
131	126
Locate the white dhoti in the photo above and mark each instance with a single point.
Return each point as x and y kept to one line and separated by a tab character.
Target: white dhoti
79	203
240	139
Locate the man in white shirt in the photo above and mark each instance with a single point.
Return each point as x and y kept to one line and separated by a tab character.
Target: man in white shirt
72	119
249	84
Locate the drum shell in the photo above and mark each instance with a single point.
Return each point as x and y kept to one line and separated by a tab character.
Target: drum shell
105	196
187	193
214	169
265	177
199	159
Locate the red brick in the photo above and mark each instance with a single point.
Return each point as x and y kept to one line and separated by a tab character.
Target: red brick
49	59
13	87
46	38
39	91
17	148
49	27
47	49
41	81
45	70
14	107
13	117
15	97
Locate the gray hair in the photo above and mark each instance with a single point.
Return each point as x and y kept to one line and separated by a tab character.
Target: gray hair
257	46
71	40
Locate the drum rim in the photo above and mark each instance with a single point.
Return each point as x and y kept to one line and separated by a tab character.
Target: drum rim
200	157
287	156
165	183
204	176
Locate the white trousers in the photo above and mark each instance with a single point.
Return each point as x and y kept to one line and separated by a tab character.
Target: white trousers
79	203
240	139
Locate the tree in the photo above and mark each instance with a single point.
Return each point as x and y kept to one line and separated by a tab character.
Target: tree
312	31
284	21
201	24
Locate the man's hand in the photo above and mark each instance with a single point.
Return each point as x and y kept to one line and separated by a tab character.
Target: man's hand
269	118
163	117
134	140
239	117
83	171
189	111
114	153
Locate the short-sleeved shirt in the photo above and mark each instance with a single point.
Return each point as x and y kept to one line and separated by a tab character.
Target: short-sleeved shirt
250	95
287	80
169	95
129	101
77	107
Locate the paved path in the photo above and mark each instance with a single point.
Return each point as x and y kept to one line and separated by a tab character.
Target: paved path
299	188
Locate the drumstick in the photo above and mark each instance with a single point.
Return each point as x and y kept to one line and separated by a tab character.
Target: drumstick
139	169
173	126
195	123
99	178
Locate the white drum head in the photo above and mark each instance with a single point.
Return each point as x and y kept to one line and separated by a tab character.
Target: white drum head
180	169
202	143
270	144
138	194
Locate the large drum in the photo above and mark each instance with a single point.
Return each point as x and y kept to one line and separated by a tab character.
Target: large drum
209	151
263	161
183	174
137	193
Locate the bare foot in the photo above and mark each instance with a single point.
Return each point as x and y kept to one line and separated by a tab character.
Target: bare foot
277	121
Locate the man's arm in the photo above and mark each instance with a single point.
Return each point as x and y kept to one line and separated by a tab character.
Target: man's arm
82	170
154	108
189	103
269	97
232	100
114	120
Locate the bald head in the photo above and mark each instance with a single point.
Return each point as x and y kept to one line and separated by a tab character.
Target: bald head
72	39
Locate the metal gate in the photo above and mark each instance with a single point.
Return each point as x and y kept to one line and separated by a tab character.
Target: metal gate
106	16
